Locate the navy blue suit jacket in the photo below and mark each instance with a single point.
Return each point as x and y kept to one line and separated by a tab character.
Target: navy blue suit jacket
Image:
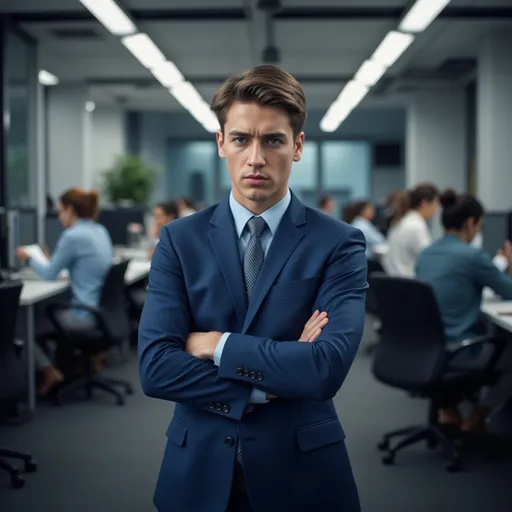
293	447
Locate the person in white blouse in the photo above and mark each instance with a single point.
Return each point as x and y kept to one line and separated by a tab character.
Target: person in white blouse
408	237
360	214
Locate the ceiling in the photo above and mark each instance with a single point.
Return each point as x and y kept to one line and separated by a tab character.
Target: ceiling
322	42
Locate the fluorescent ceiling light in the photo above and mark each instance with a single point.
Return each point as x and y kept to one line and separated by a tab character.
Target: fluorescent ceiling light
46	78
336	114
186	94
111	16
168	74
392	47
370	73
422	14
352	94
90	106
144	50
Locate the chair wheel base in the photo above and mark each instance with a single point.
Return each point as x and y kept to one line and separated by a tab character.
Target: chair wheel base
17	481
30	466
383	445
388	459
454	466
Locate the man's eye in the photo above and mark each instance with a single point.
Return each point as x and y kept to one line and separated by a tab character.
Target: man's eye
274	142
239	140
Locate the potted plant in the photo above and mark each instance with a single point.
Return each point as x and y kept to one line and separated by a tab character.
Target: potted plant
129	181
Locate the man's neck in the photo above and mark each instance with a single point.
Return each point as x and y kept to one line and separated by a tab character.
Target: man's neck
259	207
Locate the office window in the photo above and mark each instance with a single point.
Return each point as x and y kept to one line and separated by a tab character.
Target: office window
19	90
191	171
346	170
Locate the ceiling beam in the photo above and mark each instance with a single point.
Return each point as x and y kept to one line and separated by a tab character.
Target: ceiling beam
285	14
199	80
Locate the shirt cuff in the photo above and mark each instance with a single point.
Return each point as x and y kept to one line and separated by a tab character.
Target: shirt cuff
500	262
258	396
217	355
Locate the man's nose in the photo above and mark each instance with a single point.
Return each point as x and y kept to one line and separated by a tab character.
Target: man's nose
256	157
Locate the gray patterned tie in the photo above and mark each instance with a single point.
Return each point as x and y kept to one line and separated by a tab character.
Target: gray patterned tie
253	261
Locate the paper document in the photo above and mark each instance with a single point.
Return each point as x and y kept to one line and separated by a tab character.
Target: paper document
36	253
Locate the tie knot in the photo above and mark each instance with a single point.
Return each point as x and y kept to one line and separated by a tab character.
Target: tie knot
256	226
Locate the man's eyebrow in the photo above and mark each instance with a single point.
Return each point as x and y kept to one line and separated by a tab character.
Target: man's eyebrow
274	134
238	133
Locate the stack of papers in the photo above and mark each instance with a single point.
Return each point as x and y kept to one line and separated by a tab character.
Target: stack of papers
36	253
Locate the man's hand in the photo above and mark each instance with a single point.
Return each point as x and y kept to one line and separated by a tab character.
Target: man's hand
314	326
202	344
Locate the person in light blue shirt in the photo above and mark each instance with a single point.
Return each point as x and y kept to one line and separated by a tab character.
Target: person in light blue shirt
458	272
85	251
241	216
360	214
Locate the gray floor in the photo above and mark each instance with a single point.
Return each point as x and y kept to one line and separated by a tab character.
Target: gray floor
97	456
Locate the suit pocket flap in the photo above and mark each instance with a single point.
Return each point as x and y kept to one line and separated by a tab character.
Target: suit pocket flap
177	432
320	434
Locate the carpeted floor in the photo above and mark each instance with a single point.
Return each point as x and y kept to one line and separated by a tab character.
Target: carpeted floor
96	456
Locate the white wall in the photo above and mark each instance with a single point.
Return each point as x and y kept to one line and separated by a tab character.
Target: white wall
494	122
436	139
66	136
107	140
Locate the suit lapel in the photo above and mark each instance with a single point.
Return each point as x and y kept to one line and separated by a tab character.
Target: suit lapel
285	241
224	241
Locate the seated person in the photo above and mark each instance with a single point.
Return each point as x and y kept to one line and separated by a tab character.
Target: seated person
186	207
360	214
327	205
163	213
408	237
85	250
458	272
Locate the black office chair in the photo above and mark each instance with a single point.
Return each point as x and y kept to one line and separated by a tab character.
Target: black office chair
12	373
413	356
500	422
374	266
110	329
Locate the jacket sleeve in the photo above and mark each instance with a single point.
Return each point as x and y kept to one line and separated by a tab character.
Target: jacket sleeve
166	370
314	371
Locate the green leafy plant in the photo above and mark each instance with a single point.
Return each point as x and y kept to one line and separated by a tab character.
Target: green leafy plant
130	179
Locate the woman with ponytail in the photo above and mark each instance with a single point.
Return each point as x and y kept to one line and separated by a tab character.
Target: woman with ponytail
458	271
84	249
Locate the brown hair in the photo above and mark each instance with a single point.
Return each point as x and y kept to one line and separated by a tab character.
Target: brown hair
400	203
84	204
267	86
354	209
423	192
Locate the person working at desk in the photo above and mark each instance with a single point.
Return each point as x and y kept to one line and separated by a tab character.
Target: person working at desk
85	250
226	329
163	213
408	237
458	272
360	214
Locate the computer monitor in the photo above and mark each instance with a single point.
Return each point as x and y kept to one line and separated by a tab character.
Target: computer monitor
116	222
495	230
28	226
3	239
52	230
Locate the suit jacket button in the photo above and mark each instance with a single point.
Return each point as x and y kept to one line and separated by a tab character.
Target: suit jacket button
225	408
253	375
239	371
229	441
211	405
218	407
259	376
246	373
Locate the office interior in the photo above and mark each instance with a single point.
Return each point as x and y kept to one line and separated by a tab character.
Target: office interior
78	94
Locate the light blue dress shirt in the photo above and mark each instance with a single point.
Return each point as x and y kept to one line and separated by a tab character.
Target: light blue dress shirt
372	235
241	216
85	250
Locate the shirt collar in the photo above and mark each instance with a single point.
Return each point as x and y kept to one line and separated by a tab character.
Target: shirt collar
272	216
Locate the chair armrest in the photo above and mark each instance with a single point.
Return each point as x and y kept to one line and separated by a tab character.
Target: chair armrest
499	347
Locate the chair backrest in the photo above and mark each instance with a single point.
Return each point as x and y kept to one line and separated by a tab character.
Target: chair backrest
412	344
112	301
12	376
371	300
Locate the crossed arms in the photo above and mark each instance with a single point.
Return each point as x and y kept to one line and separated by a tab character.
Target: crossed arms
292	370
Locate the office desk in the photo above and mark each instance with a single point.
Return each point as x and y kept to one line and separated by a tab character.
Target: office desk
35	291
493	312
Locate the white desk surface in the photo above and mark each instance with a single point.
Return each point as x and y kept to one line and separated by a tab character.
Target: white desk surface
131	253
494	311
36	290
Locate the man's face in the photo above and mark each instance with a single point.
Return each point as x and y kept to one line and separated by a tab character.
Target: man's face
259	148
160	219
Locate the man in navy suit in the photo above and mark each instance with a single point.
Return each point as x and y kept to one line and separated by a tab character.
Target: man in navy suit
253	317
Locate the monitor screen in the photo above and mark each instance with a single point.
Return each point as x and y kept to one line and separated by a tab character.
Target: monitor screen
495	231
28	226
52	231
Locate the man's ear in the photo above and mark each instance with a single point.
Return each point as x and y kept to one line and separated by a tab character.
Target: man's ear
299	147
220	144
